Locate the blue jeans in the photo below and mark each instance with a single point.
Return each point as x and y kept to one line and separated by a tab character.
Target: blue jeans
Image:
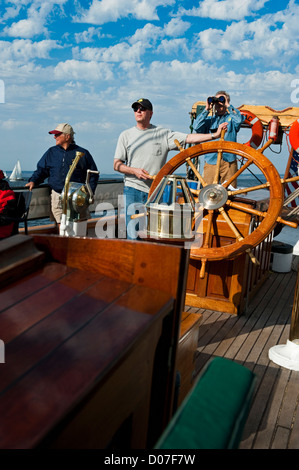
134	203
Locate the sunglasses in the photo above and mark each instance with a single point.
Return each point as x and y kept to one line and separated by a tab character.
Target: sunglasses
141	108
57	135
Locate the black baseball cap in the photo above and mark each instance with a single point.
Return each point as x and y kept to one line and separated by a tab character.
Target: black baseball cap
143	102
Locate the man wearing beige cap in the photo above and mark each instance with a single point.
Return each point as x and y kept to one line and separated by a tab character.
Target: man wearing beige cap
55	164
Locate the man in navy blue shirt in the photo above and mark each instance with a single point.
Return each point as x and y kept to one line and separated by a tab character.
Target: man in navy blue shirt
56	162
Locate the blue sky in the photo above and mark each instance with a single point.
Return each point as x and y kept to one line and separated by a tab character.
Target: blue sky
85	62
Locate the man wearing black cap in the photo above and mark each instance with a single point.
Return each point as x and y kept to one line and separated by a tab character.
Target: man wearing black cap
56	162
142	151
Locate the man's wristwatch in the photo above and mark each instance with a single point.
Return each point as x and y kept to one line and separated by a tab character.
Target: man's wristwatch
213	136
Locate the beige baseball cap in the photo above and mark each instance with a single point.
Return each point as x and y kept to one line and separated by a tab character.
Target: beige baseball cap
64	128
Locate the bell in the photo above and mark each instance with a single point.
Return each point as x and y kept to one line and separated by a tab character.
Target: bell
170	209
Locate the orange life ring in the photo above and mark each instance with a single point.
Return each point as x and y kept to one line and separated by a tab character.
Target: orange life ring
294	135
256	126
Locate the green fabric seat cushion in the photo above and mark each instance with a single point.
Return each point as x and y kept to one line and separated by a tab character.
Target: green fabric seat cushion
213	415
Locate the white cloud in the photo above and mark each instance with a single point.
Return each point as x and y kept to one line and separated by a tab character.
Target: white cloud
266	38
83	71
35	23
24	49
10	12
118	53
13	72
103	11
26	28
24	92
177	71
10	124
173	46
149	34
176	27
89	35
225	9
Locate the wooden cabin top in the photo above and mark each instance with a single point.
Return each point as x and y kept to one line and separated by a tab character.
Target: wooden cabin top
265	113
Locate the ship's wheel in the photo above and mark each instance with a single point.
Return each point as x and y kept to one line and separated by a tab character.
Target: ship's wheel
217	199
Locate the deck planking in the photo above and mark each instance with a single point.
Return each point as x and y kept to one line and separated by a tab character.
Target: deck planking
273	422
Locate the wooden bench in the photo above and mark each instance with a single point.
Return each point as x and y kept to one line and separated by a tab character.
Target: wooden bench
90	329
213	415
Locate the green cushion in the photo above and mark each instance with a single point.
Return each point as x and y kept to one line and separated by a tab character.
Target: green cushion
213	415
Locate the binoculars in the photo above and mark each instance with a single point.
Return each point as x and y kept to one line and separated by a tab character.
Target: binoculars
214	100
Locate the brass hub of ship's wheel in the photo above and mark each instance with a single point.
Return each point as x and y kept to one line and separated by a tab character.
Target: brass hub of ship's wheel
213	196
218	198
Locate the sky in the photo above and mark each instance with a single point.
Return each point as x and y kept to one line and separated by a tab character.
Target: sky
86	62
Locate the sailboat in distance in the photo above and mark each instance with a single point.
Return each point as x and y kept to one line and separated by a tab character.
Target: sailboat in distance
16	174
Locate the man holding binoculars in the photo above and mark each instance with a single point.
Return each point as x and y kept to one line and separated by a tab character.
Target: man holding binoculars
218	110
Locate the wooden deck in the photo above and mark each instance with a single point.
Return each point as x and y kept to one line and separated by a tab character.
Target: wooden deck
273	422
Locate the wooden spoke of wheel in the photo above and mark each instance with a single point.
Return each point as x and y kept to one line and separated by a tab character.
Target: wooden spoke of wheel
181	149
207	243
248	190
290	180
192	166
197	216
219	159
238	235
203	268
258	187
252	188
237	174
251	157
217	171
196	172
208	232
258	213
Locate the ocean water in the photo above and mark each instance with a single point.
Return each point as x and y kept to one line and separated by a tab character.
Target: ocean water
246	180
26	175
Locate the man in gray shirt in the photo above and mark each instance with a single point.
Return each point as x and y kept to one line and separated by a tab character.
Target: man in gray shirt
142	151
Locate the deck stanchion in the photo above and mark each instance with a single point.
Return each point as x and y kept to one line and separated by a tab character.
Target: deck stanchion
287	355
294	331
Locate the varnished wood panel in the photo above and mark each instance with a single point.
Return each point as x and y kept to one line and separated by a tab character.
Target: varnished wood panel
82	346
132	261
